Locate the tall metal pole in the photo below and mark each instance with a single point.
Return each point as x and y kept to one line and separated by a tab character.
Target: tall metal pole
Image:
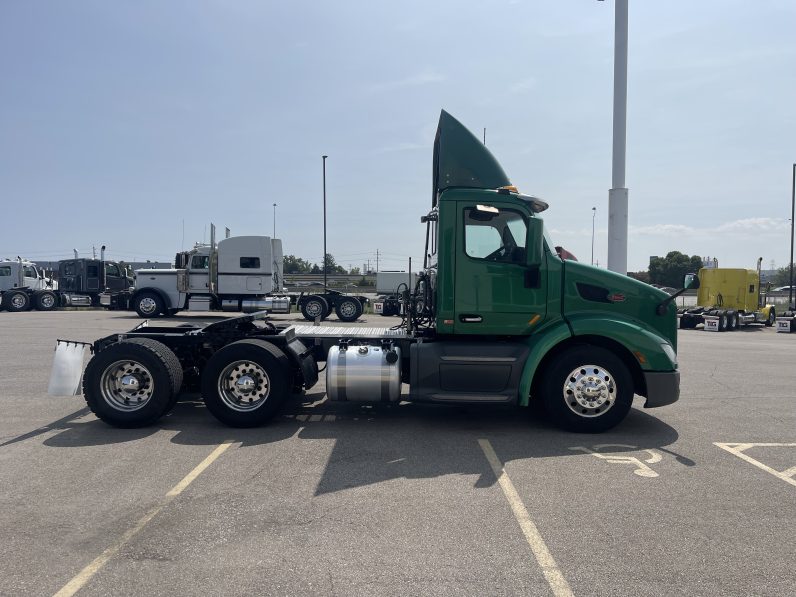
618	195
792	214
593	214
324	222
274	236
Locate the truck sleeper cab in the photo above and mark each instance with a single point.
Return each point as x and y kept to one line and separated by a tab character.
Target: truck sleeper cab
240	273
495	317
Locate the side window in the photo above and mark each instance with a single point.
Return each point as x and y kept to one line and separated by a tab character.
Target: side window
29	272
494	235
250	263
92	271
111	269
200	262
5	270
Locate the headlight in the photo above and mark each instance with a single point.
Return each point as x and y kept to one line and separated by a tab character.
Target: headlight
667	348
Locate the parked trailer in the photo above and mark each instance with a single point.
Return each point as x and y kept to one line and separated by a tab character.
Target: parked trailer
80	283
320	305
389	286
238	274
496	317
727	299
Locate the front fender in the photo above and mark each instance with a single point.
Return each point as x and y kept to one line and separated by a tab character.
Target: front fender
540	343
645	345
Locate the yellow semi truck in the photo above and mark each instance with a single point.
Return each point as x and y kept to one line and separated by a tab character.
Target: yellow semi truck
727	299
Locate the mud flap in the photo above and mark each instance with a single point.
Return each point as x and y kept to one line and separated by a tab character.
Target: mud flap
67	370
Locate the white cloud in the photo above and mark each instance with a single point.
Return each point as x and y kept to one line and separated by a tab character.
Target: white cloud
419	79
741	228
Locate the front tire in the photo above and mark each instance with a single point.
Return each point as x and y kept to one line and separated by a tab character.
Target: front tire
772	317
16	301
246	383
132	383
348	309
587	389
315	306
148	304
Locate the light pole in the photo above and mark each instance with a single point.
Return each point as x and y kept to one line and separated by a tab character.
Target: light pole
324	222
618	195
274	221
792	214
593	214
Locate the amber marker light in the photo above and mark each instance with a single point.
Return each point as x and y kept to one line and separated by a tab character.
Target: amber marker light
641	358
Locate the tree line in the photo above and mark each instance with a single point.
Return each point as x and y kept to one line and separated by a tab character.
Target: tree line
297	265
670	270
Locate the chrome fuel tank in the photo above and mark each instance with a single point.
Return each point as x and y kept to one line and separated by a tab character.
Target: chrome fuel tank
363	373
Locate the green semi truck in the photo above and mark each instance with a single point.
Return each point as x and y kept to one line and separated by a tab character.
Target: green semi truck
495	317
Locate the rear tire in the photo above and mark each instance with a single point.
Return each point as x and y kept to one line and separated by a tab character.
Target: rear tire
16	301
587	389
315	306
46	300
148	304
246	383
132	383
348	309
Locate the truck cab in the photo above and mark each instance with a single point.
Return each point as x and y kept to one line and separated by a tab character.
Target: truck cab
23	285
239	273
514	314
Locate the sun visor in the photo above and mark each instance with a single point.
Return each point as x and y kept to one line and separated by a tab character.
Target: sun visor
462	160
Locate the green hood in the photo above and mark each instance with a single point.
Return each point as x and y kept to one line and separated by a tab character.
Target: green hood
590	290
462	160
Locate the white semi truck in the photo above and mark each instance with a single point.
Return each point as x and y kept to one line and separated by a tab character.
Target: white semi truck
240	273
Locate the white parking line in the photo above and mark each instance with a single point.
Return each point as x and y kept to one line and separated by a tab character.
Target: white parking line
551	571
738	450
74	585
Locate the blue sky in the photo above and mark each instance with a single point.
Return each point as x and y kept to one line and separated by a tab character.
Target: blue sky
123	122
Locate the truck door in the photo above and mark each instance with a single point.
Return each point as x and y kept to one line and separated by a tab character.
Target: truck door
495	292
199	274
114	280
92	276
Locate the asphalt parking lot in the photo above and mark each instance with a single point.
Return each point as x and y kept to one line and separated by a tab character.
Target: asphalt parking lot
698	498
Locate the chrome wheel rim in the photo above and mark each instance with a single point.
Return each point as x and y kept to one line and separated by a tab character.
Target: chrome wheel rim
47	301
18	301
314	308
589	391
348	309
147	305
126	385
244	386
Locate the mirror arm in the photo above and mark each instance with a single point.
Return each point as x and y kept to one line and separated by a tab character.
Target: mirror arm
661	308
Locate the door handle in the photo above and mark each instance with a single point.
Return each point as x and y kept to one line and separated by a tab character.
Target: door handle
470	318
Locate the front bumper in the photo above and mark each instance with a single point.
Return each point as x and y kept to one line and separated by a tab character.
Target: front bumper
663	387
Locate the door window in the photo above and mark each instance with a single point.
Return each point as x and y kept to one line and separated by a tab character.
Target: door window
494	235
111	269
200	262
30	272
